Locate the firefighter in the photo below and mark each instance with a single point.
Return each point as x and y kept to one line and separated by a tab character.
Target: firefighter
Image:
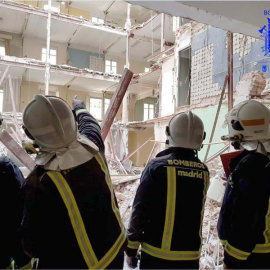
11	206
168	208
71	217
244	221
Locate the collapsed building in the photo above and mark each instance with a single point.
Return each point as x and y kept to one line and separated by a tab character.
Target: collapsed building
179	64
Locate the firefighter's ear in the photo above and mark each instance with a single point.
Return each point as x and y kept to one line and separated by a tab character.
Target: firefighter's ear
167	131
28	133
204	135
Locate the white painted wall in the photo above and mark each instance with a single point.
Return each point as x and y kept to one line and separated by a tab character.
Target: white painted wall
167	105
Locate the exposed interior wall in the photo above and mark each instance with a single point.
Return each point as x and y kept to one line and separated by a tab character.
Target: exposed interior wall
75	12
13	46
63	8
139	109
33	49
80	58
137	138
135	66
29	89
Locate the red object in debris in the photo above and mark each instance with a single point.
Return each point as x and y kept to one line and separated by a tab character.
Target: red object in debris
226	158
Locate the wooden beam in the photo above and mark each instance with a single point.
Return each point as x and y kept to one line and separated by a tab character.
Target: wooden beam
16	150
115	102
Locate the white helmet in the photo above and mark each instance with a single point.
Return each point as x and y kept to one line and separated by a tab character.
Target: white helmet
249	121
50	122
185	130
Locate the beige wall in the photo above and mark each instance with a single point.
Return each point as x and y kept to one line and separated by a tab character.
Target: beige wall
33	46
29	89
135	66
137	138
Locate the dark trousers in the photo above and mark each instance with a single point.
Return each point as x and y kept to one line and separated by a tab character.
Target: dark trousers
150	262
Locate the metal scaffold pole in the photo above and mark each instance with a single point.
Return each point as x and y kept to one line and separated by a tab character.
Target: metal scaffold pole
47	70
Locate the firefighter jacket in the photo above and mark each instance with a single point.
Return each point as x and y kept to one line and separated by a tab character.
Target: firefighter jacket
71	217
168	207
11	207
244	221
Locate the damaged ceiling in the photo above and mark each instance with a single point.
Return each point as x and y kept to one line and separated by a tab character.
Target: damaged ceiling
245	17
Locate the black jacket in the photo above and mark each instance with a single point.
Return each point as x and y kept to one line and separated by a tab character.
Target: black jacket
11	207
244	221
168	208
88	234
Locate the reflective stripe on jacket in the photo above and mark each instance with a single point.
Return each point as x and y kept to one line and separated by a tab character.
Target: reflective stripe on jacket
71	218
168	208
244	221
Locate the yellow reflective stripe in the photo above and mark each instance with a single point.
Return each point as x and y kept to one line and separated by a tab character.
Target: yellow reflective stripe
12	265
266	232
223	241
170	255
27	266
133	244
237	253
75	217
206	184
81	111
170	208
104	168
261	248
110	255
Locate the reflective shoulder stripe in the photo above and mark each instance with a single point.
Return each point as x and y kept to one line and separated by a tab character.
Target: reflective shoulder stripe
266	232
104	168
75	217
81	111
106	260
236	253
169	254
110	255
170	208
133	244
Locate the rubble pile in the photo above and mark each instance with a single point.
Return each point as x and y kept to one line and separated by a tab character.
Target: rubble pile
125	194
212	250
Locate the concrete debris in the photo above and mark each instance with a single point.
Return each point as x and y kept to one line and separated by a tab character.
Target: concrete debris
251	84
212	250
125	194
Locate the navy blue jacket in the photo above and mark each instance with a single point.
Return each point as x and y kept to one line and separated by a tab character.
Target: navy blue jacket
11	208
48	231
168	208
244	221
